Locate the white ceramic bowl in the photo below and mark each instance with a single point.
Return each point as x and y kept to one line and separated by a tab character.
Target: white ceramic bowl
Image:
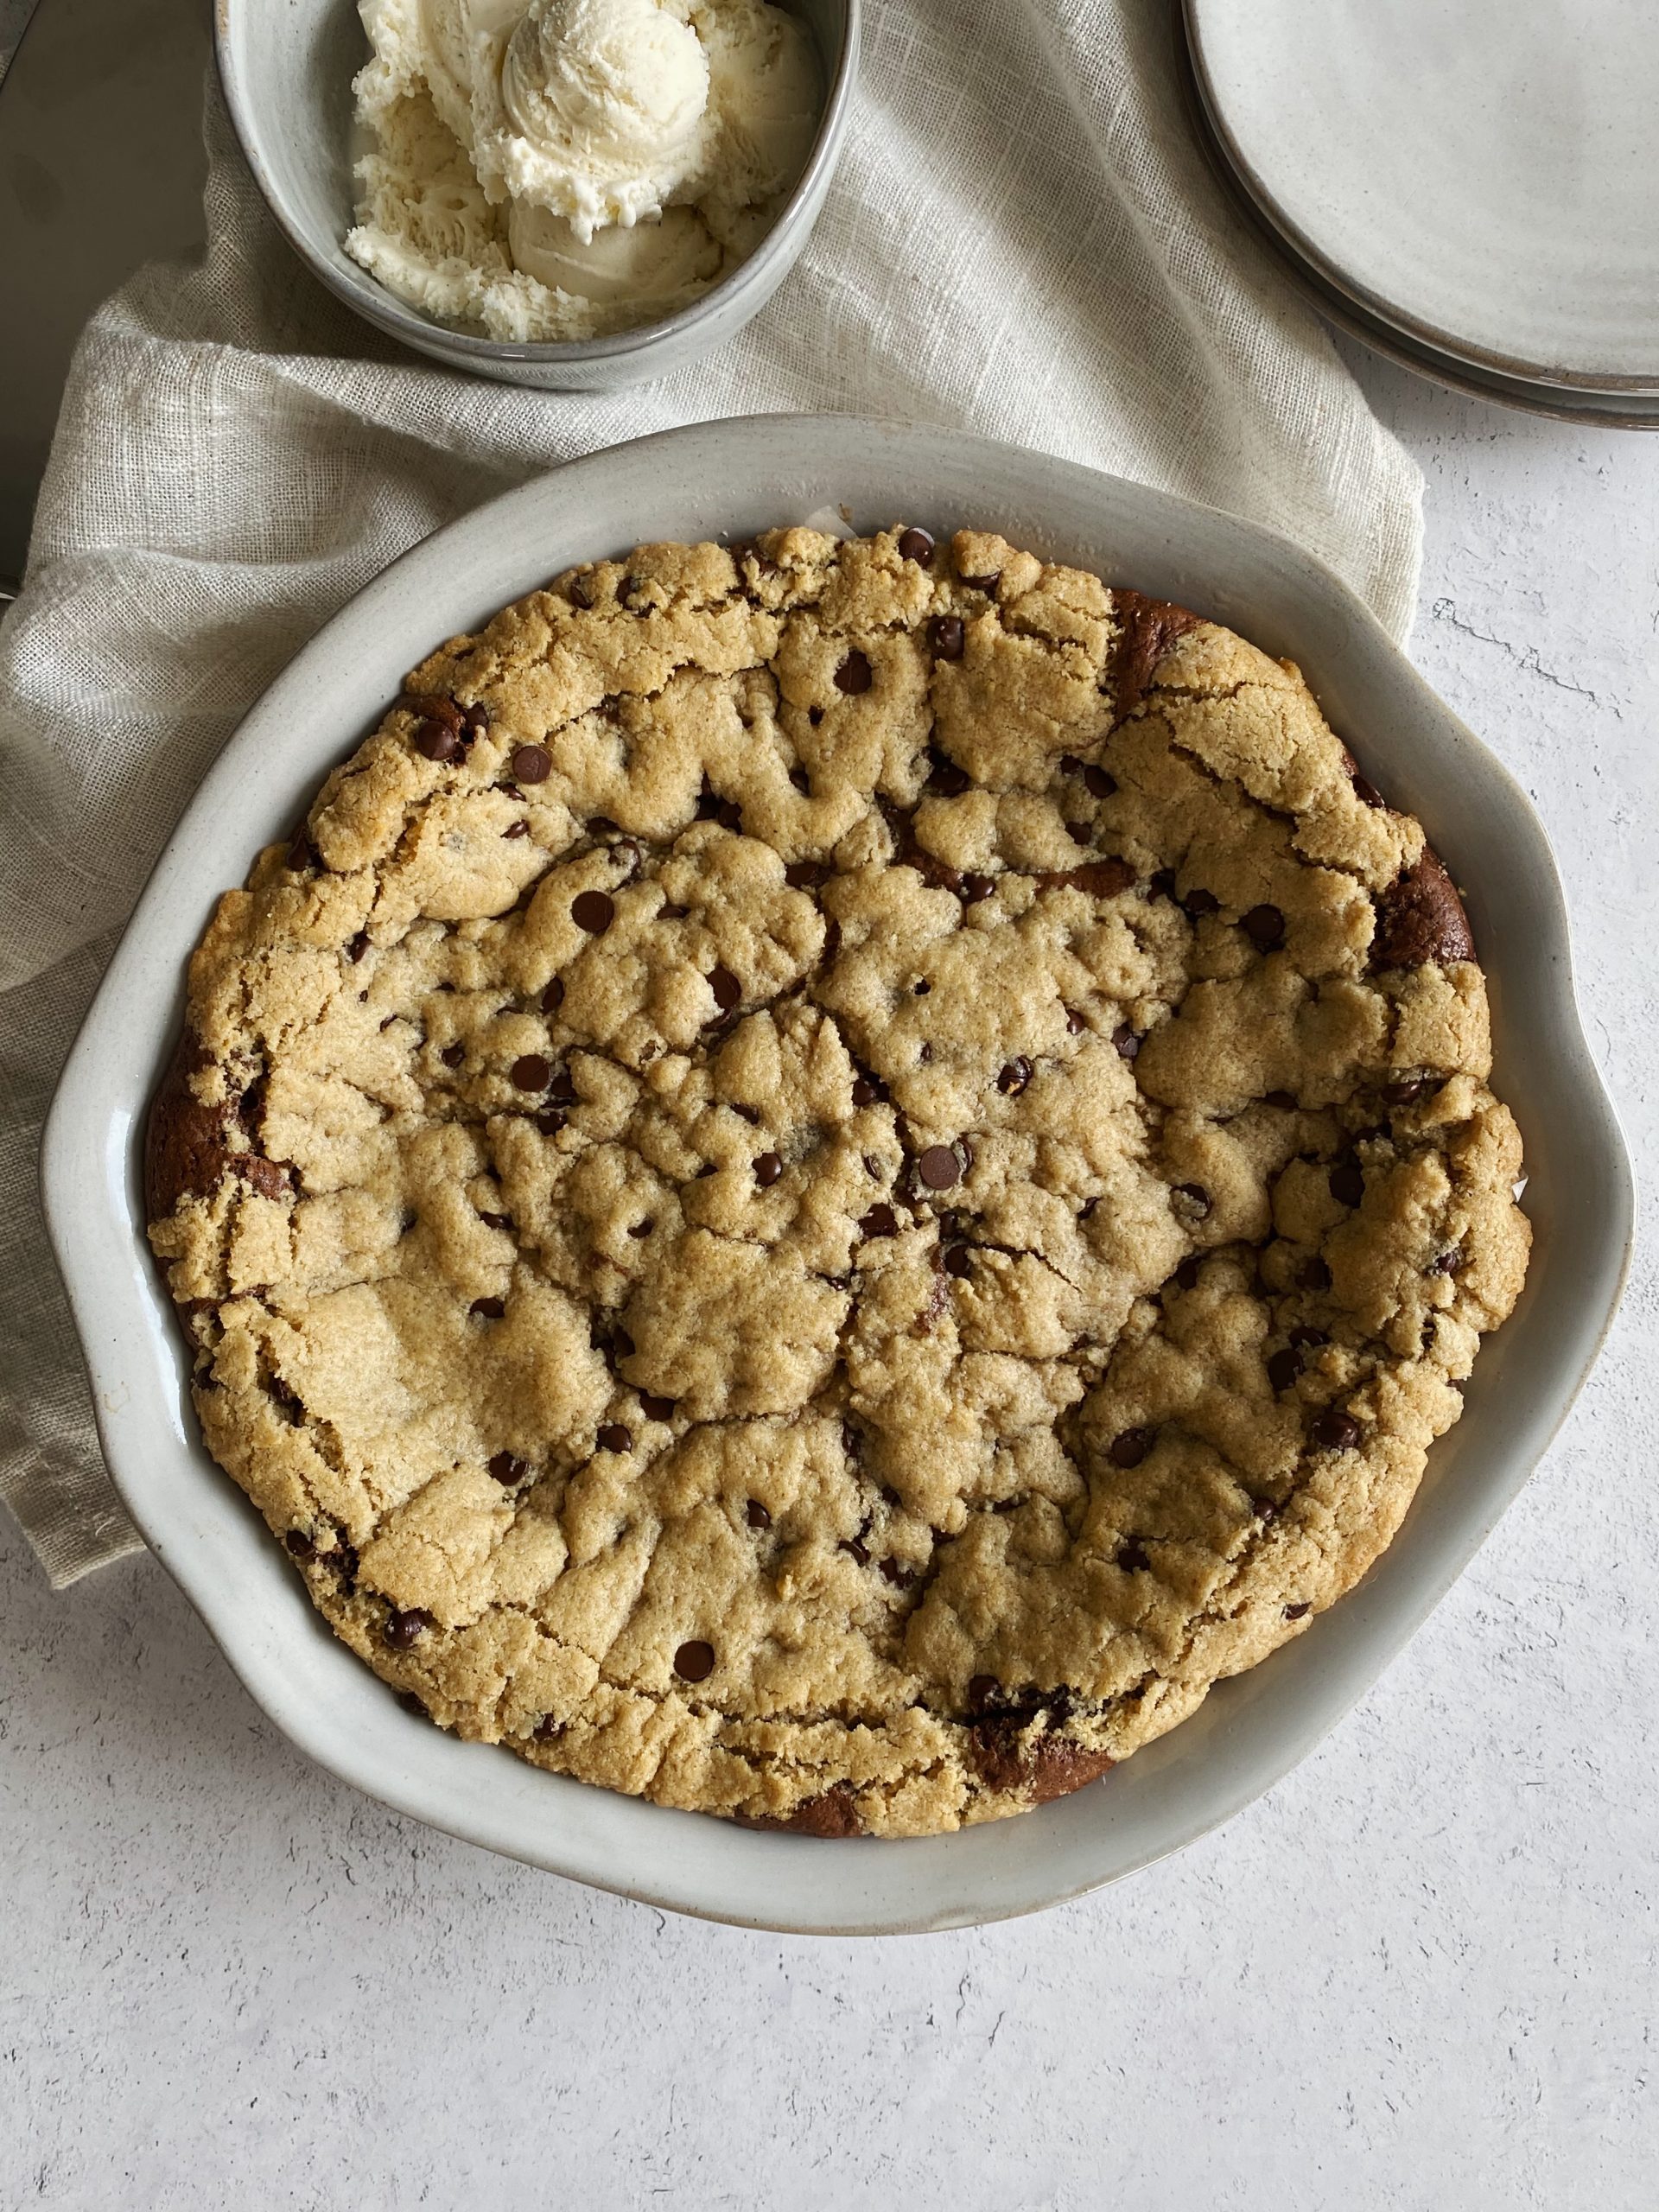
287	67
731	479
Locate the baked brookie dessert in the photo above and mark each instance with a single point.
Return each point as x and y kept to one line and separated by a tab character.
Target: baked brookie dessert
831	1176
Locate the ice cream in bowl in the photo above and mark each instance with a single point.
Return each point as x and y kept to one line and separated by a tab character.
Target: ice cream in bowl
574	193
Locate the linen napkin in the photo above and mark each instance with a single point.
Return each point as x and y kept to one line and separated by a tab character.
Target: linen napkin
1022	240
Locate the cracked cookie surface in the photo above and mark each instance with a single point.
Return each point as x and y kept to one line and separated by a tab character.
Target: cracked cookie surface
832	1177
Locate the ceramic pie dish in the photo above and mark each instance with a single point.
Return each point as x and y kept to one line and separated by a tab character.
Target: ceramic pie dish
728	480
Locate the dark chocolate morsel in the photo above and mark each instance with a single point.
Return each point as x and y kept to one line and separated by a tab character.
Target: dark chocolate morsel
1419	917
694	1662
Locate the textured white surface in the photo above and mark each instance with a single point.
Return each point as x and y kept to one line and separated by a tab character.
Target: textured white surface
1419	1974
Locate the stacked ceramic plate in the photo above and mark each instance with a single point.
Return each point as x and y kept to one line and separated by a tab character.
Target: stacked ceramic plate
1469	185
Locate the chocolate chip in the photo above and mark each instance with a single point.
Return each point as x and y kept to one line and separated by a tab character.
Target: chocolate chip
1401	1094
1200	902
1132	1557
1125	1040
437	740
407	1626
944	776
983	1690
1298	1612
434	706
530	1072
959	1260
655	1409
749	1114
1283	1368
982	584
1303	1335
728	991
299	1544
916	545
1075	1024
1163	885
562	1088
1336	1431
453	1055
593	911
806	876
1284	1100
939	1167
866	1092
550	1124
767	1169
531	763
1130	1448
489	1309
1449	1263
1367	791
973	888
1264	928
1187	1273
613	1436
756	1515
1197	1199
601	825
855	675
516	829
553	996
507	1468
1420	918
343	1560
879	1221
1315	1275
547	1728
358	947
410	1703
695	1662
922	988
1347	1182
947	636
1015	1075
581	589
858	1549
901	1577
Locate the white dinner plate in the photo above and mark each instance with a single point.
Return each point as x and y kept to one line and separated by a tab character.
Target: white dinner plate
730	480
1620	410
1481	175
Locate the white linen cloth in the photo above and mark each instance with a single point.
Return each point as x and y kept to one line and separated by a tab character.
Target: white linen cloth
1023	240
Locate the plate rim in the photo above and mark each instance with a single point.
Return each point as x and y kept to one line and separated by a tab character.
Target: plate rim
89	1159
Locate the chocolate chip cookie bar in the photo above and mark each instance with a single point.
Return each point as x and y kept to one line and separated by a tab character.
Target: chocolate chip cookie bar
831	1175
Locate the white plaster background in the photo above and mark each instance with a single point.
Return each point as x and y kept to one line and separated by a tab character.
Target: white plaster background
1421	1974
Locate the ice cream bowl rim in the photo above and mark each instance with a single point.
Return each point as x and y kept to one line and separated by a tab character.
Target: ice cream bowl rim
264	119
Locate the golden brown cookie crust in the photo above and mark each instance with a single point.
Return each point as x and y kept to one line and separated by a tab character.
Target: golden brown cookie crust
833	1175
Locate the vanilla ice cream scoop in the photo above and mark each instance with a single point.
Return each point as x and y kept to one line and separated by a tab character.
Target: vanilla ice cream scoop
654	263
553	169
599	114
763	97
